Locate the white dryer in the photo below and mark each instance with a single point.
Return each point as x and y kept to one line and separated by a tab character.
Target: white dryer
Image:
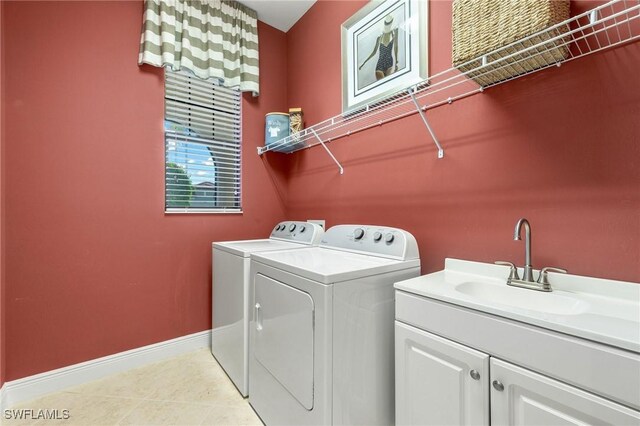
230	334
322	345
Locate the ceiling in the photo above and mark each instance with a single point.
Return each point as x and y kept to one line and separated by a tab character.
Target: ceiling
280	14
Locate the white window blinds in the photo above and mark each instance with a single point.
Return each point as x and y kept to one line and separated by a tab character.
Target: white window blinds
202	146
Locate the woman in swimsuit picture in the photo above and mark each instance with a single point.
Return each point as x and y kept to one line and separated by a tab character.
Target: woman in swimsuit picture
387	63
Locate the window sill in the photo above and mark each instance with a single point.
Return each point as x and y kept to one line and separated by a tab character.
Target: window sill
203	211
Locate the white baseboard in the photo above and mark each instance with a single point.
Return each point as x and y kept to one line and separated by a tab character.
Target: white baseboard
32	387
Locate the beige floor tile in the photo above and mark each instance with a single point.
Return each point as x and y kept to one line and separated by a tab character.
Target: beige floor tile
199	356
193	382
201	361
187	389
130	384
237	413
166	413
181	378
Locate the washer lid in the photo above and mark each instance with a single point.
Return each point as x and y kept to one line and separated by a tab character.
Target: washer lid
245	247
329	266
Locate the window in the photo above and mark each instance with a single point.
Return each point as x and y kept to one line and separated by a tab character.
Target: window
202	146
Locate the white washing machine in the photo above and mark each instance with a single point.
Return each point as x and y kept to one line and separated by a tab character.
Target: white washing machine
230	334
322	346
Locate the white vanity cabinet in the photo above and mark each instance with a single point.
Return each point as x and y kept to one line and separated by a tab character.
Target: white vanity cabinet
470	350
441	382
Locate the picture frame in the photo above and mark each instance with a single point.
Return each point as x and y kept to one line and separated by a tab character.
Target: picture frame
384	50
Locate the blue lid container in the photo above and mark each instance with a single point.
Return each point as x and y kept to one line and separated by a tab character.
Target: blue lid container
276	127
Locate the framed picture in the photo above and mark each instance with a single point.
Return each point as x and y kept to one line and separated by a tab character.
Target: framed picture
384	49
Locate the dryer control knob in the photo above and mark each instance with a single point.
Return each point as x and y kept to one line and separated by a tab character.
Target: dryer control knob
303	228
292	227
358	233
389	238
377	236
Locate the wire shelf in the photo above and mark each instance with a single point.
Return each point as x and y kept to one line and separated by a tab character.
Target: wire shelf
611	24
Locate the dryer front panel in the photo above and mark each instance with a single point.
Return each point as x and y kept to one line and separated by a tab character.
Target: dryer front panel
284	333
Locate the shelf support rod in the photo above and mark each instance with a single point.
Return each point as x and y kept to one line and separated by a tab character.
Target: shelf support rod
327	149
426	123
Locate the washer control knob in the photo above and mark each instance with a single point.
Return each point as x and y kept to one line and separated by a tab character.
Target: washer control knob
292	227
303	228
358	233
389	238
377	236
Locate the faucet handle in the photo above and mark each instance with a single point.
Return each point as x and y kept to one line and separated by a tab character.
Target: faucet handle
542	279
513	275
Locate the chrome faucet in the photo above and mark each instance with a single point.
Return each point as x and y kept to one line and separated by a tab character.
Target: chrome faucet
528	269
527	280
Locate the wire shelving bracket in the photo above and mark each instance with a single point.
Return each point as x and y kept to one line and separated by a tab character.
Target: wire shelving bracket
425	121
328	151
609	25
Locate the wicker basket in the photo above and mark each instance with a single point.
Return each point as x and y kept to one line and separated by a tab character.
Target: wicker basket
481	26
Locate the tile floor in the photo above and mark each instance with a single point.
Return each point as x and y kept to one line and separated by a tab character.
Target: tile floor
190	389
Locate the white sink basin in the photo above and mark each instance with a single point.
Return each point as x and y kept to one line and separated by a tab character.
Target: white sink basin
551	303
597	309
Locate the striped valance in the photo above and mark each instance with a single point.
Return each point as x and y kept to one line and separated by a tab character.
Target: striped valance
211	38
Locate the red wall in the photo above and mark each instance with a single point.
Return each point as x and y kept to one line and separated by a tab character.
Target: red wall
93	265
560	147
2	322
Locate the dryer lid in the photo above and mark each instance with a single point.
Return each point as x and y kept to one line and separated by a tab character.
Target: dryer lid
330	266
285	235
246	247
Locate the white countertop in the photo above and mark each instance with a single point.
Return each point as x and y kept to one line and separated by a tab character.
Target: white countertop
600	310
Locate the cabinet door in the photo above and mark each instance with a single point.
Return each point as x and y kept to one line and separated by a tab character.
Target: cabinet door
522	397
439	382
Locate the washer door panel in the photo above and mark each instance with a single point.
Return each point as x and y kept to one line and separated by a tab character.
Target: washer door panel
284	336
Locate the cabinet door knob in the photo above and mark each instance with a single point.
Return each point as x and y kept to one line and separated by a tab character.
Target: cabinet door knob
474	375
497	385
